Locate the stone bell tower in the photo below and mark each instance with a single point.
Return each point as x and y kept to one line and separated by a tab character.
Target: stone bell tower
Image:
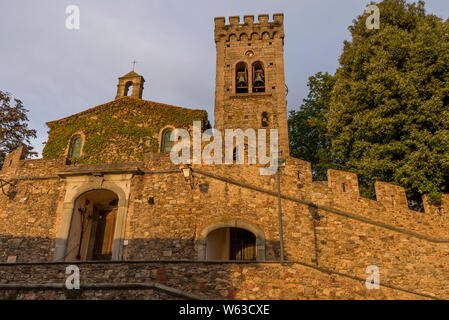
128	81
250	81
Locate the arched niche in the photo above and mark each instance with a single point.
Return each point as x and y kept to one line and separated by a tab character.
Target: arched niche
220	236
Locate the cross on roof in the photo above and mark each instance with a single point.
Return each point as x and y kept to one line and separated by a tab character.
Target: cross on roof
134	64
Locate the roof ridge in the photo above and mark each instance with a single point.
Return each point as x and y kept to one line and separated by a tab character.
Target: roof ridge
153	103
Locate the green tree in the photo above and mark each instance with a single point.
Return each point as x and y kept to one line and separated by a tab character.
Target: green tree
389	113
14	131
307	126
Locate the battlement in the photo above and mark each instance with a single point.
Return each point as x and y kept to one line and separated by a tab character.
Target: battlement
263	29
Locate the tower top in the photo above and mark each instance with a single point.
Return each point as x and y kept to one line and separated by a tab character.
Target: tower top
249	29
250	79
131	79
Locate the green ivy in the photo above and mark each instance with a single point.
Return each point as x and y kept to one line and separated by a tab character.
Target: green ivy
119	131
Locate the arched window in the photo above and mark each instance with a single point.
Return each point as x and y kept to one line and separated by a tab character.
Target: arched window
241	78
265	121
128	86
258	77
75	147
166	141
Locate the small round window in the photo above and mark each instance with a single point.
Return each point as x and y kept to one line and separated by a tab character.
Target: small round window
249	53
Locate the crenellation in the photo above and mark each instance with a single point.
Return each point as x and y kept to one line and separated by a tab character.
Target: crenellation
253	30
299	170
391	196
248	19
234	20
220	21
263	19
441	208
279	18
344	184
12	161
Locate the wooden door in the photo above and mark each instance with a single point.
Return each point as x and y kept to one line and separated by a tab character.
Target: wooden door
104	235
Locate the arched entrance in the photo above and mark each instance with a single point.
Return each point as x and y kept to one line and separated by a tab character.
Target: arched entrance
231	240
231	244
92	228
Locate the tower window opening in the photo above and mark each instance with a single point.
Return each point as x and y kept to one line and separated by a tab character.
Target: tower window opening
265	121
128	88
241	78
343	187
258	77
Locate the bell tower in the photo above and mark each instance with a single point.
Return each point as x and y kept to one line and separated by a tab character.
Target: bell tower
131	84
250	80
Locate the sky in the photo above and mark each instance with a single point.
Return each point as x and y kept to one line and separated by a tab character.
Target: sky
58	72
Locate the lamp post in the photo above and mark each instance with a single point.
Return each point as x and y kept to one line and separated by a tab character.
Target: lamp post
281	164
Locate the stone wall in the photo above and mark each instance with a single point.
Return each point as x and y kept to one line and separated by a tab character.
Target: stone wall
167	217
206	280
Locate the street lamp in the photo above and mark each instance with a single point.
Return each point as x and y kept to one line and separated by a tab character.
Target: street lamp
187	172
281	164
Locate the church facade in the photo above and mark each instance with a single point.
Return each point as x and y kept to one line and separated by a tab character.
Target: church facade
107	198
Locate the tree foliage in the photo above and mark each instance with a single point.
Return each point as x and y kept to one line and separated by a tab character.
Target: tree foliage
14	131
308	135
388	116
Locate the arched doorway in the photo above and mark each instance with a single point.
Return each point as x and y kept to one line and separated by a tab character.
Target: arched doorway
231	244
92	227
231	240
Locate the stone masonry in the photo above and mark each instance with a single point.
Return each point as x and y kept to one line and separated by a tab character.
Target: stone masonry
163	218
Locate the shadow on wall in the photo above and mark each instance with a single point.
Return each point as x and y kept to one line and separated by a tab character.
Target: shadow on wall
39	249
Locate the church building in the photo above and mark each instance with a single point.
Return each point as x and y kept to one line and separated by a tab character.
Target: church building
107	198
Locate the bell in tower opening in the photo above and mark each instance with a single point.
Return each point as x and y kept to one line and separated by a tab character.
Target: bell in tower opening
258	77
241	78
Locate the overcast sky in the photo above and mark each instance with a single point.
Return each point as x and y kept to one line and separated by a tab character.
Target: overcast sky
57	72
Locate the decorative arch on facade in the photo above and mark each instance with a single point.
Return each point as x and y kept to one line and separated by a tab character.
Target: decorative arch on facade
232	37
234	223
255	36
243	37
266	36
